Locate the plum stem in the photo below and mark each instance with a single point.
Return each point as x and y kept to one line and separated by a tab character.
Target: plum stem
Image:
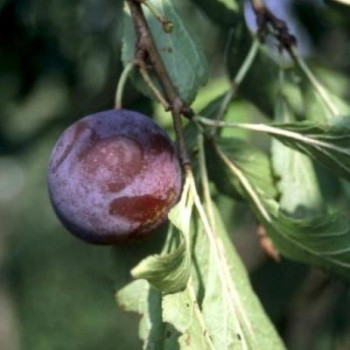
148	80
146	51
121	85
242	72
320	89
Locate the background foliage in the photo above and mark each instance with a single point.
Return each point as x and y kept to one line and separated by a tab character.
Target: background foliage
60	60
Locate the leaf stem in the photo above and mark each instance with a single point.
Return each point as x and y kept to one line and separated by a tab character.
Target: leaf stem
281	75
158	95
198	313
320	89
216	241
245	183
230	293
205	180
243	70
121	85
273	130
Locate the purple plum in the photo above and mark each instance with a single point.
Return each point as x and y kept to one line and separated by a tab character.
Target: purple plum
113	177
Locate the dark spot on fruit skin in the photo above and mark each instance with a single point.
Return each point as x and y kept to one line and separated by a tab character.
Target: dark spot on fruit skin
144	209
79	128
116	186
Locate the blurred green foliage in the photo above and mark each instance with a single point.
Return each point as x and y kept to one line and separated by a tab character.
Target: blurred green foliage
59	61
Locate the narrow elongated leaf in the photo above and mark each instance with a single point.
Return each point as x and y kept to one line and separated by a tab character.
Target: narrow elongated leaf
181	310
231	310
299	192
227	315
327	144
315	109
183	58
322	241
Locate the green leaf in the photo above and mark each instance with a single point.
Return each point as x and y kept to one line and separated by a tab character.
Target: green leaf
167	272
216	87
254	162
327	144
299	192
181	310
233	314
139	297
167	321
183	59
322	241
315	109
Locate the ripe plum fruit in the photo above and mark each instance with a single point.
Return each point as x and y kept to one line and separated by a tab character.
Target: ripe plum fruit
113	177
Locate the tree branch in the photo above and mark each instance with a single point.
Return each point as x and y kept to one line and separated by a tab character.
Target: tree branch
265	18
146	51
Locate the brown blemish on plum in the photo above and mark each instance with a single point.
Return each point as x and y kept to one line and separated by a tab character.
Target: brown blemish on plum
138	208
113	161
145	209
79	128
116	186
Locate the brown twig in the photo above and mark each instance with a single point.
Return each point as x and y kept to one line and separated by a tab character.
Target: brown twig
146	51
265	18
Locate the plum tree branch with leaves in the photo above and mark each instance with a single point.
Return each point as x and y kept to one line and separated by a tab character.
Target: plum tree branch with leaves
196	293
234	166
